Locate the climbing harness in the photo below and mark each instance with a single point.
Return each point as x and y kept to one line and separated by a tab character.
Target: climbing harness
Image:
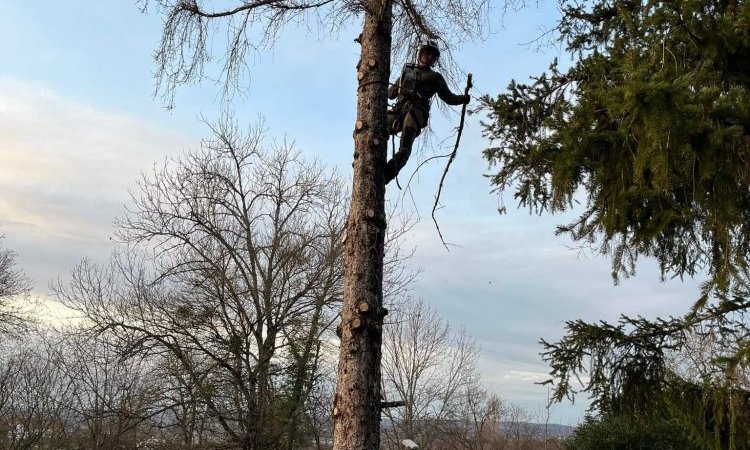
399	112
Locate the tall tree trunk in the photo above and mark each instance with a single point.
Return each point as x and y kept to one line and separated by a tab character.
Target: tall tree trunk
356	407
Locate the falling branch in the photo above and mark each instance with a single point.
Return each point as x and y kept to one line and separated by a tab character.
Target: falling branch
450	161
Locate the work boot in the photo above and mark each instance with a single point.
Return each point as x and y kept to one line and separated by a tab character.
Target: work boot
409	133
394	166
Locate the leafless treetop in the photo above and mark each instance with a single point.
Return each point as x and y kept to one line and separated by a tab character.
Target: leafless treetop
187	52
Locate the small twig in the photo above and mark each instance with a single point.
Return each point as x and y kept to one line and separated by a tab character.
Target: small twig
450	161
422	164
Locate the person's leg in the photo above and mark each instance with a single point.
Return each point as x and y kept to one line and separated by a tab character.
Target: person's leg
409	132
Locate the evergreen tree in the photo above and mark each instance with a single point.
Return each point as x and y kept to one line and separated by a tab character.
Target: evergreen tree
634	375
650	124
649	127
614	432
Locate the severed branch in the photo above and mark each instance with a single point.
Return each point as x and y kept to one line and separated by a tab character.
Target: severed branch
396	404
450	161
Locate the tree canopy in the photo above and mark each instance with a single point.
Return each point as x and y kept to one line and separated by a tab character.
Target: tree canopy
648	126
229	274
689	372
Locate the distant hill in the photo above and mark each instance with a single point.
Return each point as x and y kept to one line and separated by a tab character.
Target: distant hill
554	430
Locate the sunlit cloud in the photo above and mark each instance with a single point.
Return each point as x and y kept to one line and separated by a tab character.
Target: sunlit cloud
65	171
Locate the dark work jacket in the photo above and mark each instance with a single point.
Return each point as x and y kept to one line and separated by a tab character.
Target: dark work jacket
428	84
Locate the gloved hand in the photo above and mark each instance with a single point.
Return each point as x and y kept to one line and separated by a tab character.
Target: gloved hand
466	99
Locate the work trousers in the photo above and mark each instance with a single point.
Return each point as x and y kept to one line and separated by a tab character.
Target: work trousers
412	122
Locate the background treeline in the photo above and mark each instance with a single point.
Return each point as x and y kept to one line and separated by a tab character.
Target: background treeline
69	389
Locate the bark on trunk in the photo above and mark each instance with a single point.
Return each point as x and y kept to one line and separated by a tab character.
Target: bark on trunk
356	405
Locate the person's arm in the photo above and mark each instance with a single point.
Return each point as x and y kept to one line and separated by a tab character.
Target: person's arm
445	94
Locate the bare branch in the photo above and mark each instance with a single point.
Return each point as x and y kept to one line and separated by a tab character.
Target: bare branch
450	161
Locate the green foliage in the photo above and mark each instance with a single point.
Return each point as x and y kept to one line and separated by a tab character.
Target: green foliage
688	416
629	360
631	370
650	124
614	432
717	414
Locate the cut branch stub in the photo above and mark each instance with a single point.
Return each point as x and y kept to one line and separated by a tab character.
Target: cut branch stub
394	404
359	125
360	75
356	323
372	63
364	307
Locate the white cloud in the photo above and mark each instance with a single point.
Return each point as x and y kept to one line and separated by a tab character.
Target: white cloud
65	169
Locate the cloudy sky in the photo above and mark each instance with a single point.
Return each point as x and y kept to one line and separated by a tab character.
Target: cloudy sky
78	123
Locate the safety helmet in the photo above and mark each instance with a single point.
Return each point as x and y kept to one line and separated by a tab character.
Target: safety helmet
430	45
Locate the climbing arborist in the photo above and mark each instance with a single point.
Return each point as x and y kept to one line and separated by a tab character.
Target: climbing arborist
414	89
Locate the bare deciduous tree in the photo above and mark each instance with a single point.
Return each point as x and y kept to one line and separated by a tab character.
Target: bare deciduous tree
702	356
232	266
14	291
433	370
34	396
114	397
